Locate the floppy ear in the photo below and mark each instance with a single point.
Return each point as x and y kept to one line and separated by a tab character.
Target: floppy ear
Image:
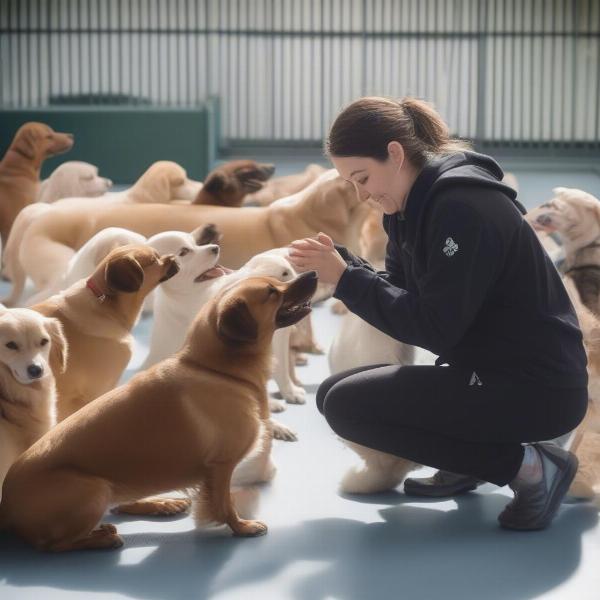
59	347
124	274
206	234
236	324
217	182
24	144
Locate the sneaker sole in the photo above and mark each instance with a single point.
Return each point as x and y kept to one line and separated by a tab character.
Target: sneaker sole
433	491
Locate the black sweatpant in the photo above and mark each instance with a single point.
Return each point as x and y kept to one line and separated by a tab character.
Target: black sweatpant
450	418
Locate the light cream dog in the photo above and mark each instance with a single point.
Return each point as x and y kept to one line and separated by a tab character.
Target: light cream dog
330	205
26	380
575	216
162	430
97	315
73	178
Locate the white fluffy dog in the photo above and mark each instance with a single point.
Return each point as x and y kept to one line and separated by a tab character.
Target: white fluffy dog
180	298
359	344
73	178
87	258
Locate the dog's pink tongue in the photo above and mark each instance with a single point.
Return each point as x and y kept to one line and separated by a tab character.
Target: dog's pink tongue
216	271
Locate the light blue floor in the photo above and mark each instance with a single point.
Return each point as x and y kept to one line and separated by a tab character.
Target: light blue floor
321	545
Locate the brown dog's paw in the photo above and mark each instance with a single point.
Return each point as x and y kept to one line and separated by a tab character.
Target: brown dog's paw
154	507
249	528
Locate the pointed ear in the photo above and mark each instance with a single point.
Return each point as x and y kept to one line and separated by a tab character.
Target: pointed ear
235	324
124	274
59	347
207	234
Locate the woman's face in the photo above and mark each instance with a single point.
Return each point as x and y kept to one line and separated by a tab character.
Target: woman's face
387	183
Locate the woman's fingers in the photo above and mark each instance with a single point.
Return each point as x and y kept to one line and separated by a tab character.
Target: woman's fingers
306	243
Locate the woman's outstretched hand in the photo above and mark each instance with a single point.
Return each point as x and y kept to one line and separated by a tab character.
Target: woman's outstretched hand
320	255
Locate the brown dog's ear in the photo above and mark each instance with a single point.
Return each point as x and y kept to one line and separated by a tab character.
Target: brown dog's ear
24	144
59	347
124	274
235	324
207	234
216	183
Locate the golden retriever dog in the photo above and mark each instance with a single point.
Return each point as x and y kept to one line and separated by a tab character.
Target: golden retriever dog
585	441
97	315
284	186
575	216
230	183
20	169
162	430
330	204
26	380
73	178
163	182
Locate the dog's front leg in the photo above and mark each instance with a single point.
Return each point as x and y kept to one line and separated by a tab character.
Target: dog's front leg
292	393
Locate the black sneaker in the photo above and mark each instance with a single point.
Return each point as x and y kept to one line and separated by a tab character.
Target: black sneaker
535	505
441	485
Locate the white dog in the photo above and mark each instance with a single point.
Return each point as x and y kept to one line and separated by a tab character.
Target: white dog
27	386
359	344
87	258
73	178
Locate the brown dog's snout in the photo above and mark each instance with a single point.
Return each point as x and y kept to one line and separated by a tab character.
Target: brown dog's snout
268	169
301	288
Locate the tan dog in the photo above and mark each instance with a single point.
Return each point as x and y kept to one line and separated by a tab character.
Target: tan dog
163	182
230	183
281	187
97	316
330	204
575	216
586	439
163	430
26	381
20	169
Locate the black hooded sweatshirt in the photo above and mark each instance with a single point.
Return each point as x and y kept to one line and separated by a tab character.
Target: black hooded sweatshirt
467	278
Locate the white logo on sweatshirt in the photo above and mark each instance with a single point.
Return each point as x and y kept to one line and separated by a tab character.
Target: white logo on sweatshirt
475	379
451	247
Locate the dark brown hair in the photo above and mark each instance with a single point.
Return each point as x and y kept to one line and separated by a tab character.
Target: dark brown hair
368	125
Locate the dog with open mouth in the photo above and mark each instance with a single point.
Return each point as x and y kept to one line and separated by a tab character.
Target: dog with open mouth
200	278
185	423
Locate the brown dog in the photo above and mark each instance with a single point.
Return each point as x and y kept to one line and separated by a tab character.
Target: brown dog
163	430
230	183
20	169
97	316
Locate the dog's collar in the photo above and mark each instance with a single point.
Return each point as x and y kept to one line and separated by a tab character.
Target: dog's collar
95	290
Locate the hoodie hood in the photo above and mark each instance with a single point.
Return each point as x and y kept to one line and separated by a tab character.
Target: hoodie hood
460	169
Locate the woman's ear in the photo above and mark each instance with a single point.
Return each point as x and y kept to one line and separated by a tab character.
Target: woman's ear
396	153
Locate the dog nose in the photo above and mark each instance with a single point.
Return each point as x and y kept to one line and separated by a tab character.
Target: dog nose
544	220
34	371
215	250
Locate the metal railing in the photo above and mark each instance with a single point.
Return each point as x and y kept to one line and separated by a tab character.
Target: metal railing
512	72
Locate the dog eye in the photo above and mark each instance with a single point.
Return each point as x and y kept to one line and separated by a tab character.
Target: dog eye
12	345
44	341
285	274
184	251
